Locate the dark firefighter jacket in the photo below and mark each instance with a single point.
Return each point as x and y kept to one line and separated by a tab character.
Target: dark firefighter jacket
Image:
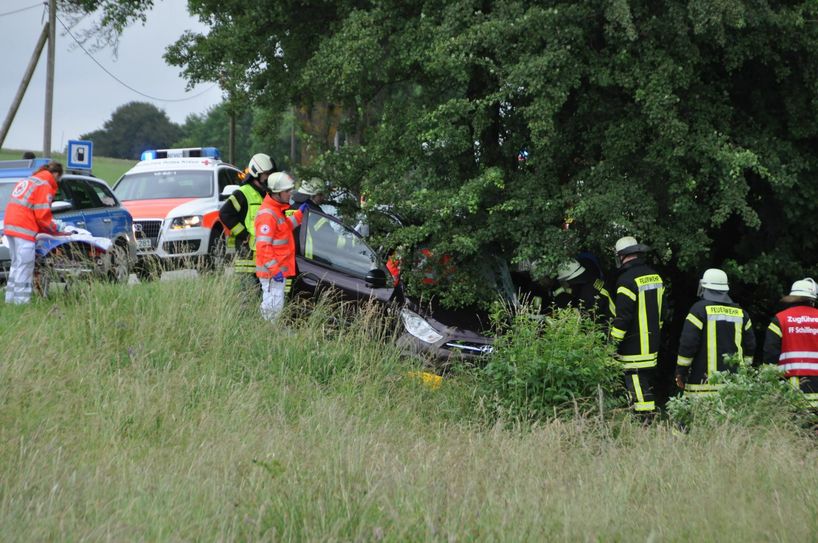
637	323
712	330
586	292
238	214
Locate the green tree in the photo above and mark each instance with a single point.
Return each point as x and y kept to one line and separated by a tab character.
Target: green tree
132	128
691	124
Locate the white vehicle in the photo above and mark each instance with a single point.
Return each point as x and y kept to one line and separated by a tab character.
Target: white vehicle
174	196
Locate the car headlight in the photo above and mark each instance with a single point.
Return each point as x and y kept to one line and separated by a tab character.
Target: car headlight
191	221
418	327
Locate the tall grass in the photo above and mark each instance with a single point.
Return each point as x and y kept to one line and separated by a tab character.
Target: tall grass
170	411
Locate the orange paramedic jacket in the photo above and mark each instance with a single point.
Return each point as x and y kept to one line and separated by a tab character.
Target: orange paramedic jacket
275	245
29	209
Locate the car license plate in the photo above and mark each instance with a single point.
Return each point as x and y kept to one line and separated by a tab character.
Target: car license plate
144	243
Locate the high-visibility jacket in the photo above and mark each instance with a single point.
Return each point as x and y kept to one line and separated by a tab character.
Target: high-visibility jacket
792	341
238	214
275	245
29	209
711	331
586	295
638	315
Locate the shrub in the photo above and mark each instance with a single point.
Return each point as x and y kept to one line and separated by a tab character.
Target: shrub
756	397
544	366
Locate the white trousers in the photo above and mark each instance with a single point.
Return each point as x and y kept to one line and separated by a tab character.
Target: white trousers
21	274
272	298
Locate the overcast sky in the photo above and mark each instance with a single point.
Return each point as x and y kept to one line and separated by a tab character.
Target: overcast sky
84	95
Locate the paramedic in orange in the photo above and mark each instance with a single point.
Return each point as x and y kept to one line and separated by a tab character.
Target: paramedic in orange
275	245
28	213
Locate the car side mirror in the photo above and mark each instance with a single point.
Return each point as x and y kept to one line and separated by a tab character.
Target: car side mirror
61	205
227	191
375	278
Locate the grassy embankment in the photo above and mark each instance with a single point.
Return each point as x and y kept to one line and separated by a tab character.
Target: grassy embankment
146	413
109	169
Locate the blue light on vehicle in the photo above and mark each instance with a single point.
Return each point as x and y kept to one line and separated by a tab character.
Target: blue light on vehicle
148	155
211	152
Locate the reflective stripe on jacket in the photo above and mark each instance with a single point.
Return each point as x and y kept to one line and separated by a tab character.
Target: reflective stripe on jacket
637	322
29	209
238	214
792	341
275	245
711	331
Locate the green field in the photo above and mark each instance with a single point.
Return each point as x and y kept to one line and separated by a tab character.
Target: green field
167	411
109	169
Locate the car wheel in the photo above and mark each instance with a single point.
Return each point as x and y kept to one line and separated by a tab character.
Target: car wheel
119	267
147	270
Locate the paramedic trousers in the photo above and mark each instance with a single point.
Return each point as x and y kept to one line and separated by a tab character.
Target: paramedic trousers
272	298
21	274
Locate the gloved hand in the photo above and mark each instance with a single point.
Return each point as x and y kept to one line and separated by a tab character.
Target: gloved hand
303	207
279	277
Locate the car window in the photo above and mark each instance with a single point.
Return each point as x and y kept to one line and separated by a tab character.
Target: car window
5	194
103	193
165	184
331	243
83	196
228	177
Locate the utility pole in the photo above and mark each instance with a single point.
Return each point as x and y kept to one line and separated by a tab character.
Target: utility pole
49	76
21	91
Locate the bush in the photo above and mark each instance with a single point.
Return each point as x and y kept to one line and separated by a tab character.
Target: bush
545	366
756	397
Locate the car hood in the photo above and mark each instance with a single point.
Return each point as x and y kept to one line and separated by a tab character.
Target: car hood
158	209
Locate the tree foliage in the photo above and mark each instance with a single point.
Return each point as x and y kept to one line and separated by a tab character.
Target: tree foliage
132	128
690	124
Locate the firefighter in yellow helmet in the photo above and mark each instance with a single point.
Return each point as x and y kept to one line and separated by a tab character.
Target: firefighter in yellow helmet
636	326
715	327
580	287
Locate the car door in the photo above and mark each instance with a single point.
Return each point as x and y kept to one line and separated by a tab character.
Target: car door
331	254
121	221
95	217
71	216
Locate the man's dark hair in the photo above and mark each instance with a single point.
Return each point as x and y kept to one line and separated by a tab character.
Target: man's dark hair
28	155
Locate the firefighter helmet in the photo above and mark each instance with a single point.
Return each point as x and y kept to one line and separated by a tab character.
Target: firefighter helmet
570	269
280	182
311	187
805	287
628	245
714	279
259	164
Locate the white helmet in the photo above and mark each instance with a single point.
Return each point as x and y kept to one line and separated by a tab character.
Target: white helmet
259	164
280	182
311	187
805	287
568	270
714	279
628	245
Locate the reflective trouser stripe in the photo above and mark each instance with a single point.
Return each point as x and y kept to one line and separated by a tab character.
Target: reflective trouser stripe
702	388
288	285
244	266
21	273
639	403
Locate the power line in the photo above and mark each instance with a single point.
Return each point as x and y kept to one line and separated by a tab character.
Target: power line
38	4
122	82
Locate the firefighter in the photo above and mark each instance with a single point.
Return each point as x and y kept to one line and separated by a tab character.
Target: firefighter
715	327
580	287
275	245
28	213
313	192
792	339
238	214
637	323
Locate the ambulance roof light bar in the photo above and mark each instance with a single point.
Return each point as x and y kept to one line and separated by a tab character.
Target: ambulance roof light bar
188	152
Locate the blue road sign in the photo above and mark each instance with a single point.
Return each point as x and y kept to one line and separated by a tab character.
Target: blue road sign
80	154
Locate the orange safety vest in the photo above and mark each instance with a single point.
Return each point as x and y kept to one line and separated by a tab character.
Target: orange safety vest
29	209
275	245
